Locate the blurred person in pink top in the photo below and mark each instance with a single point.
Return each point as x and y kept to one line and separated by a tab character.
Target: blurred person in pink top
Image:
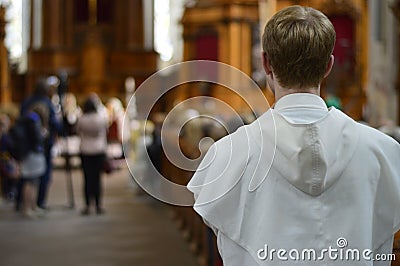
92	129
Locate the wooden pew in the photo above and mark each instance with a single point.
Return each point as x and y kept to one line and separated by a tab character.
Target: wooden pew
201	240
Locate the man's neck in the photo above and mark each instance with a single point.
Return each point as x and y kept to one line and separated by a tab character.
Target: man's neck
280	92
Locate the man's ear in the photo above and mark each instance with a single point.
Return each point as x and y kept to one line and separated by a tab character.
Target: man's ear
266	64
330	65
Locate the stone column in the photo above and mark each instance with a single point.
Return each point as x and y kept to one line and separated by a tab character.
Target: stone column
148	24
36	34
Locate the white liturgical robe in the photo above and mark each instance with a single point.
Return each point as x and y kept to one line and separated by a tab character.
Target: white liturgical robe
302	185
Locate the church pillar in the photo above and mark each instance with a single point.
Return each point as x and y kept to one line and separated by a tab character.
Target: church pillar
36	21
4	68
235	42
93	75
134	24
148	25
223	31
128	23
97	42
68	23
119	20
53	12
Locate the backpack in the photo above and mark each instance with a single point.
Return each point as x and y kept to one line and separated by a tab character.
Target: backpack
25	136
9	167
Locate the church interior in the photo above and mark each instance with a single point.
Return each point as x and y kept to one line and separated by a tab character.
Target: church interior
117	48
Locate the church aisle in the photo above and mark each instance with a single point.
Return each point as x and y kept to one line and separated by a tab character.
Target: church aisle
136	230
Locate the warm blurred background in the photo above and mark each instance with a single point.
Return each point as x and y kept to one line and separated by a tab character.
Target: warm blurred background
109	48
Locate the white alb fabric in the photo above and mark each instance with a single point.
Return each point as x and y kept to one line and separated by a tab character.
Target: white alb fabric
327	178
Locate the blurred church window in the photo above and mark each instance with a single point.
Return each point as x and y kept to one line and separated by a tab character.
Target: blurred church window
17	32
168	30
162	39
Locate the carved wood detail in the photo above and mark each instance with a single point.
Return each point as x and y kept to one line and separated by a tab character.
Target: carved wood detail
97	54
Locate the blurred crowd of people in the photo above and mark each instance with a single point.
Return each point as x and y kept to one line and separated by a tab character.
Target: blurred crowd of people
95	133
61	126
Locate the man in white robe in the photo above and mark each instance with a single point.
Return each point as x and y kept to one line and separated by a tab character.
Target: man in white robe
303	184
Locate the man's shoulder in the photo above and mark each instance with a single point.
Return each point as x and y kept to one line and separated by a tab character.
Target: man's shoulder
373	141
251	137
241	137
373	135
368	134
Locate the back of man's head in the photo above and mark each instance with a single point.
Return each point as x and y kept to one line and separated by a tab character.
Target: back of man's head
298	42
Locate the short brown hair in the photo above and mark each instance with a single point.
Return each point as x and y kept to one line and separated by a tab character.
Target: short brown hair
299	42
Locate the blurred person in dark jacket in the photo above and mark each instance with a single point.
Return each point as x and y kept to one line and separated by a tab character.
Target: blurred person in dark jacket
41	104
